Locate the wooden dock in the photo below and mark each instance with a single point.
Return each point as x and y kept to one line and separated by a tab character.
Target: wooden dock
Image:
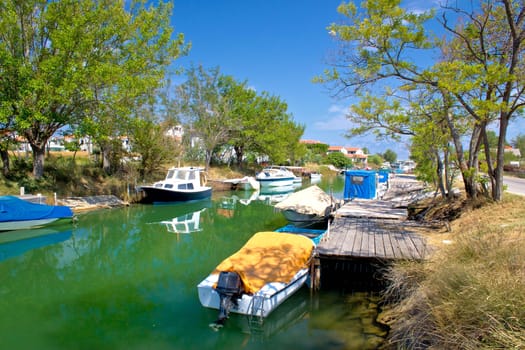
372	229
375	238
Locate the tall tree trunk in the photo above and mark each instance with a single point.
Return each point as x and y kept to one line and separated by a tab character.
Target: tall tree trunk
209	154
449	175
471	174
467	173
488	158
239	154
106	159
105	152
439	174
39	153
5	161
497	189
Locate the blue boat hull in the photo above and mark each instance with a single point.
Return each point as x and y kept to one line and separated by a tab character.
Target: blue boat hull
159	195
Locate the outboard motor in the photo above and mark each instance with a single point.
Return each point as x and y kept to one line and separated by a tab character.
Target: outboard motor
230	290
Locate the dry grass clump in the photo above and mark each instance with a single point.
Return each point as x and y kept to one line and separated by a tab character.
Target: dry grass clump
471	293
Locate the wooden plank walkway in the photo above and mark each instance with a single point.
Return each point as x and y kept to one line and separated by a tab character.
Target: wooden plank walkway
378	238
377	229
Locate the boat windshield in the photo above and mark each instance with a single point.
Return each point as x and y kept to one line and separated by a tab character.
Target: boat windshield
181	174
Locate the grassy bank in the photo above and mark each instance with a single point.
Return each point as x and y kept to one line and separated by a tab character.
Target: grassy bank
471	293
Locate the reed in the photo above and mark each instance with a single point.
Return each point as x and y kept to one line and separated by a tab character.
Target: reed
471	293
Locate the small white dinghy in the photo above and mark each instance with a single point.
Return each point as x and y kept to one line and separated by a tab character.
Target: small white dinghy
256	279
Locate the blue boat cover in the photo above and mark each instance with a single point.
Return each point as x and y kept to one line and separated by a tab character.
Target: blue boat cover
383	175
360	184
15	209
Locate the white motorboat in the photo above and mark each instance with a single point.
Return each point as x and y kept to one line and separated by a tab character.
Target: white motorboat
275	177
256	279
180	185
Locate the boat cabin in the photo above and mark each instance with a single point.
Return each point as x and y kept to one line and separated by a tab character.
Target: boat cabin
181	179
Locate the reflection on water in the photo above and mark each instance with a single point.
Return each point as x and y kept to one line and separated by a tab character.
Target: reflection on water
15	243
118	280
186	223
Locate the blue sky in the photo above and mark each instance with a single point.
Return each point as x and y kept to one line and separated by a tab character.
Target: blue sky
277	46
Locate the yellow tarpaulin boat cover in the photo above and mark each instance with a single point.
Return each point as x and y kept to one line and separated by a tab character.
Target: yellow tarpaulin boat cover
268	257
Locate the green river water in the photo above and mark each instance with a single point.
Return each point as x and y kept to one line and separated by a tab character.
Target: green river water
120	279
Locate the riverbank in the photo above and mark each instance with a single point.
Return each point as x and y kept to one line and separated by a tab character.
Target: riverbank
470	293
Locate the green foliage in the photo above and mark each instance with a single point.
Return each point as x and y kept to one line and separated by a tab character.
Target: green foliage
152	145
221	111
205	112
82	63
493	139
390	156
338	159
318	148
477	82
375	159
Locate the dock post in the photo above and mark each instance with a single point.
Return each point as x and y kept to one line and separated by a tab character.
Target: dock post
315	274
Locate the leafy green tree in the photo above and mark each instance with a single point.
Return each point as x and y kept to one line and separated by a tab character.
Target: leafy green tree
206	112
390	156
222	111
375	159
280	135
315	152
318	148
480	72
64	62
338	159
246	123
149	140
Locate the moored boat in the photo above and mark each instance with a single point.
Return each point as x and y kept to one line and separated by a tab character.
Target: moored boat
180	185
261	275
316	235
308	206
18	214
275	177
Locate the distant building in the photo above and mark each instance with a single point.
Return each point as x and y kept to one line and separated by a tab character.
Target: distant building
310	142
514	151
176	132
356	154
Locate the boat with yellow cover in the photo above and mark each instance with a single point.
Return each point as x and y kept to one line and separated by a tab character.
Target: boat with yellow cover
261	275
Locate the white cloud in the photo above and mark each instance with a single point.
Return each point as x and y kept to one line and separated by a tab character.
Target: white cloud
334	120
418	7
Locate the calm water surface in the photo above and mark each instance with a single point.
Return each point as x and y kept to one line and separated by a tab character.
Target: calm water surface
121	279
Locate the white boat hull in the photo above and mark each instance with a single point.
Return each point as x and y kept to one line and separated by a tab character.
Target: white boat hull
275	177
260	304
25	224
274	183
